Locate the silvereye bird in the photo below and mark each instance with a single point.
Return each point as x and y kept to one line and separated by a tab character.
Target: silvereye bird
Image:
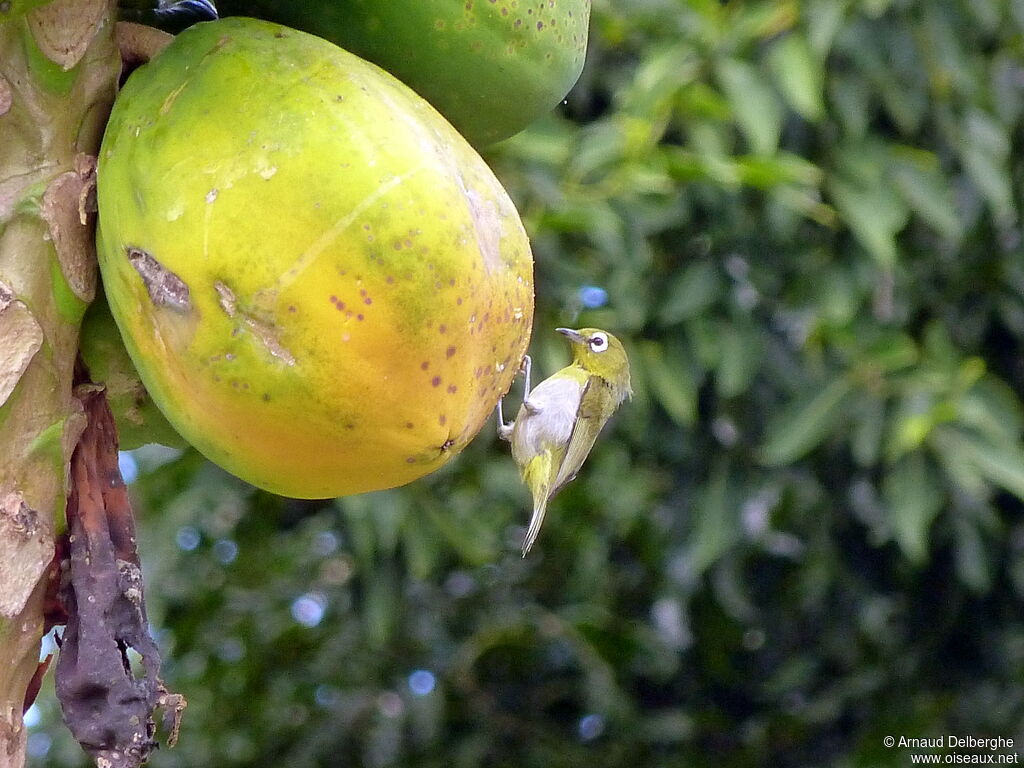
561	417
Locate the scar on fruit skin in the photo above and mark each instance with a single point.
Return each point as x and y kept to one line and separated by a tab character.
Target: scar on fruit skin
165	288
264	332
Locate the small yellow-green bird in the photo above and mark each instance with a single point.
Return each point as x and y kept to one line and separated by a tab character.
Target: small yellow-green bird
561	417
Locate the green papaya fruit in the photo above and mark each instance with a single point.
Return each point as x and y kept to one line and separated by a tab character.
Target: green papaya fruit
321	284
490	66
138	419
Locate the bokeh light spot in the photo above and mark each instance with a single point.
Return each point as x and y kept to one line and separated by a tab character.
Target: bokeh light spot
593	297
591	726
422	682
187	538
225	551
309	609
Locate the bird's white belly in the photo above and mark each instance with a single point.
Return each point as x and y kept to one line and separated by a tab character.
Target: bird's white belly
549	420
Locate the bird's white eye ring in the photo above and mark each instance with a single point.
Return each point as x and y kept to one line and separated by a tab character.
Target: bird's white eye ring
598	342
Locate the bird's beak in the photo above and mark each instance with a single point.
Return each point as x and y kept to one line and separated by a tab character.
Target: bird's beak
573	336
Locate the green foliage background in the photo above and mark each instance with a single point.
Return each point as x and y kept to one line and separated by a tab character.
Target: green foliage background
803	534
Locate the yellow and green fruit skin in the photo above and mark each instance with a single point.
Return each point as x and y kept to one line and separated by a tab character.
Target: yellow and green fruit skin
321	284
490	66
138	420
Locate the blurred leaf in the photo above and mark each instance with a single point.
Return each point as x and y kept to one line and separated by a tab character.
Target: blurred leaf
672	382
868	429
715	526
420	546
913	497
850	99
994	410
922	185
872	210
798	74
985	150
892	352
740	359
824	19
1001	464
971	563
754	104
782	168
658	79
804	423
693	289
380	609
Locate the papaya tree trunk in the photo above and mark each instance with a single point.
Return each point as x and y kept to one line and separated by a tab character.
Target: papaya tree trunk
58	76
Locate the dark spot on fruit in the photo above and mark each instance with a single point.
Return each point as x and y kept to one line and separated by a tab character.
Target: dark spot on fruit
450	351
367	301
446	444
452	389
410	460
350	426
341	306
292	308
266	397
389	279
165	288
443	420
359	317
442	328
436	381
459	301
409	425
362	292
424	365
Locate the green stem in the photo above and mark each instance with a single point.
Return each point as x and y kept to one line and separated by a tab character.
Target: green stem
58	76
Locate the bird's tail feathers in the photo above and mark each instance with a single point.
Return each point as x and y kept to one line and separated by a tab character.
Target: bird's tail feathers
540	507
537	476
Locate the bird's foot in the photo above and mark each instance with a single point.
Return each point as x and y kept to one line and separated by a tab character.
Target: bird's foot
504	427
525	368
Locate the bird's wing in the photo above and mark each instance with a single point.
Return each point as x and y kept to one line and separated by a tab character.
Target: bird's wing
587	425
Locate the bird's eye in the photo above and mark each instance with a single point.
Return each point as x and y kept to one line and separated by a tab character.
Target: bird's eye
598	342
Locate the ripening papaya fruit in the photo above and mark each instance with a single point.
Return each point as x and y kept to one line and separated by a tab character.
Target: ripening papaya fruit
490	66
321	284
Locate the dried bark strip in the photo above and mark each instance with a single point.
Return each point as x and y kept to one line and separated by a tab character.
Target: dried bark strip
108	709
25	552
22	337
